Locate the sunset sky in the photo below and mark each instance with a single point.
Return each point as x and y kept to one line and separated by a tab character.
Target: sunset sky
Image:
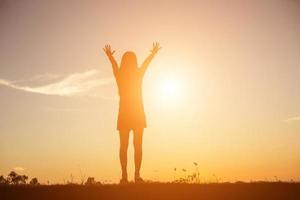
224	91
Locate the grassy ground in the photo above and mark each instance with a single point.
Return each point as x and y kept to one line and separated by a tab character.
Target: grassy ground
155	191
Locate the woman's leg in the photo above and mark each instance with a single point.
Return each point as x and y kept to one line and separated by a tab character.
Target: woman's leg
124	136
137	142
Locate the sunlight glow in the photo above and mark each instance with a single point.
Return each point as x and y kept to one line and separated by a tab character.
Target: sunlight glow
170	90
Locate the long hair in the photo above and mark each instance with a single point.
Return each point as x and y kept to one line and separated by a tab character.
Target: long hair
128	65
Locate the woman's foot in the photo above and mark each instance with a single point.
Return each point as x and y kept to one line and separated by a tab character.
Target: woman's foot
124	181
138	179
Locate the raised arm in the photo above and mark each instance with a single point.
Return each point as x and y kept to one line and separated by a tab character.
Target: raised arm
147	61
109	53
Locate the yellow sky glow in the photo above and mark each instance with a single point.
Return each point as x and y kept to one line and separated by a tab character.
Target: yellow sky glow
222	92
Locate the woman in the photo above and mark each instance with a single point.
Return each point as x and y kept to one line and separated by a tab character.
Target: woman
129	79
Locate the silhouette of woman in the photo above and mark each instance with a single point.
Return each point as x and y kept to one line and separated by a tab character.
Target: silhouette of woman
129	79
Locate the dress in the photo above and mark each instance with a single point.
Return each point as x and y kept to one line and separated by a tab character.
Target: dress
131	108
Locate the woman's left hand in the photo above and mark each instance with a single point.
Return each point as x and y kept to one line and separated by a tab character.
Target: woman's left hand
107	50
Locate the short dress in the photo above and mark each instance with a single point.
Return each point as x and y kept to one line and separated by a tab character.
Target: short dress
131	109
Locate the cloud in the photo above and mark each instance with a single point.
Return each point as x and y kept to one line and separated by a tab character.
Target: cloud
19	169
292	119
76	84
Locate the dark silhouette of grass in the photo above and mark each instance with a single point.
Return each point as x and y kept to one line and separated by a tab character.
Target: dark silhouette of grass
155	191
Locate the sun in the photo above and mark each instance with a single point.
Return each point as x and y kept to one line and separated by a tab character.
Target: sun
167	91
170	90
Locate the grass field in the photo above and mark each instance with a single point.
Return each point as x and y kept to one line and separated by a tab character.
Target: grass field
153	191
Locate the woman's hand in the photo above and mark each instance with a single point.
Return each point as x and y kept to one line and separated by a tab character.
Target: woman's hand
155	48
107	50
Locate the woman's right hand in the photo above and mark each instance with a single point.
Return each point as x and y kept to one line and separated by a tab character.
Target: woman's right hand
108	51
155	48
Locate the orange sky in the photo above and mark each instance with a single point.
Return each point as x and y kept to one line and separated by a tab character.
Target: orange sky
234	110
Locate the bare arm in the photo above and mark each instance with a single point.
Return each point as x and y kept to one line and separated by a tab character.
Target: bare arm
110	56
147	61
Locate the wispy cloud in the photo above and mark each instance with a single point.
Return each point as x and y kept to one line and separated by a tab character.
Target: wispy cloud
19	169
292	119
39	77
72	85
